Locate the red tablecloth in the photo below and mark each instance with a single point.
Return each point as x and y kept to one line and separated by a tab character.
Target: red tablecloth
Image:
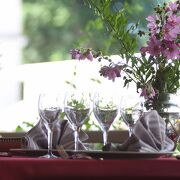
37	168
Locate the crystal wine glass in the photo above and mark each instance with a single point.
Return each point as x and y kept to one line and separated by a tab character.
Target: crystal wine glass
50	107
105	108
77	108
131	109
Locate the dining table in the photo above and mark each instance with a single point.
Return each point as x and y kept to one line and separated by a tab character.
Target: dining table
28	167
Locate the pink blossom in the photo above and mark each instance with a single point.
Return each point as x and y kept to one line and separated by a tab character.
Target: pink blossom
170	34
148	92
173	20
110	72
173	6
117	70
143	50
152	23
75	54
172	28
171	51
89	55
154	46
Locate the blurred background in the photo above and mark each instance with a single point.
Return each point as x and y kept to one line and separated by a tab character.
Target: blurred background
36	36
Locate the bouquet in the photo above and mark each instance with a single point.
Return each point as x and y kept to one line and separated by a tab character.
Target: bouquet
157	69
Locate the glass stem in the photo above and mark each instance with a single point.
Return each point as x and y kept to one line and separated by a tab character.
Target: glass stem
130	131
50	133
105	137
76	139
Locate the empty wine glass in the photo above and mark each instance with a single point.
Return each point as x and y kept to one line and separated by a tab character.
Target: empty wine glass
77	108
50	107
105	108
131	109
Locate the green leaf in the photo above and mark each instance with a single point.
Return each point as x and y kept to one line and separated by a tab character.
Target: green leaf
19	129
62	115
96	80
28	124
126	82
71	84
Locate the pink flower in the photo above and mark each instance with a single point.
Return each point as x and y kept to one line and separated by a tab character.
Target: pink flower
143	50
170	34
148	92
117	70
172	28
152	23
173	20
171	50
75	54
89	55
173	6
154	46
151	19
110	72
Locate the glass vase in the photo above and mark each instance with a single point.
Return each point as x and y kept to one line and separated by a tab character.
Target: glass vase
169	110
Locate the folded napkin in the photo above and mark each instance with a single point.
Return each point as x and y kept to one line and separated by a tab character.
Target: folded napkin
63	135
149	135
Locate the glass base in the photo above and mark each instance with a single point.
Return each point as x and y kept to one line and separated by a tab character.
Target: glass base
49	156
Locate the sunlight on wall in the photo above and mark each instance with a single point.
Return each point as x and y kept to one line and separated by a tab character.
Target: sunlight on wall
11	42
42	77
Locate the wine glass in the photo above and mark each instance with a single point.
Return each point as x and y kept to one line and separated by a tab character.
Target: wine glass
50	107
131	109
76	108
105	108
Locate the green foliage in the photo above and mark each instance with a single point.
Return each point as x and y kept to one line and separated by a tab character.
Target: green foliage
62	115
96	80
116	17
95	35
79	105
116	24
53	27
19	129
71	84
25	125
177	150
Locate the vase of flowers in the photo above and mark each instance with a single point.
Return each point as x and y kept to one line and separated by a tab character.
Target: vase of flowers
156	71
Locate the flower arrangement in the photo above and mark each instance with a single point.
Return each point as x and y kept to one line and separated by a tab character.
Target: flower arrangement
157	69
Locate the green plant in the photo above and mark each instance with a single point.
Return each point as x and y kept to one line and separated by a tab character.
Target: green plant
25	125
157	69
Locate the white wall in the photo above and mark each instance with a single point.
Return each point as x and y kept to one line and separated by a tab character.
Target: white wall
50	76
10	53
10	47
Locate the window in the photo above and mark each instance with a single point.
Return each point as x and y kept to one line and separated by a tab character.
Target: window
35	38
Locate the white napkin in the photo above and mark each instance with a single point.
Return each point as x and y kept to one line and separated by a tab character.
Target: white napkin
63	135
